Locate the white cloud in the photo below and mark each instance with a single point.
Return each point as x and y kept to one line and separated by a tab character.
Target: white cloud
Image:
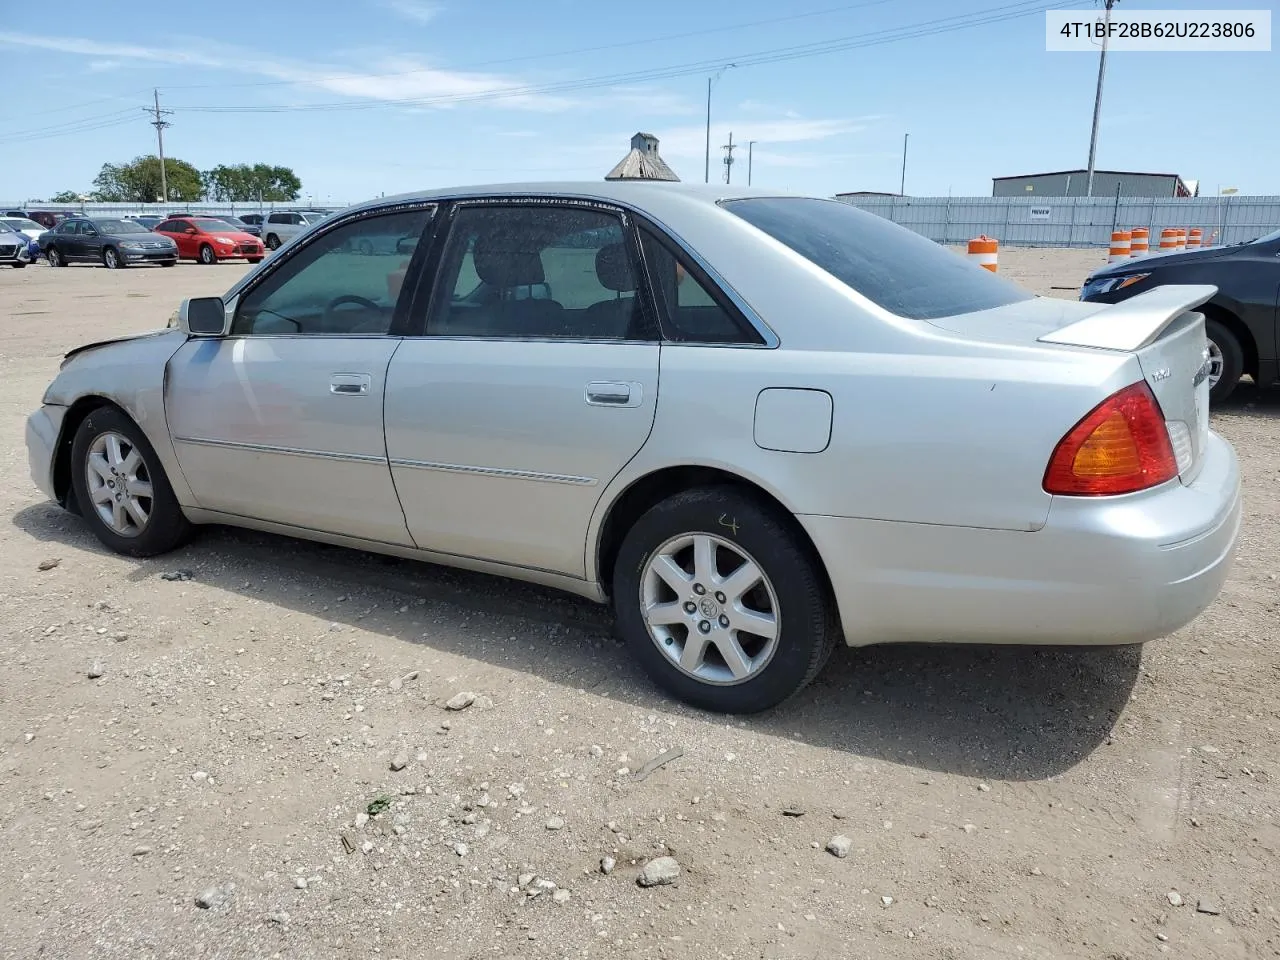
399	78
101	66
419	11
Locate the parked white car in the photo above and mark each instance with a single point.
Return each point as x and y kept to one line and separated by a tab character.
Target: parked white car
281	226
759	425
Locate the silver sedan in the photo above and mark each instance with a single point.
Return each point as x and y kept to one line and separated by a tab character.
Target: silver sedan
758	424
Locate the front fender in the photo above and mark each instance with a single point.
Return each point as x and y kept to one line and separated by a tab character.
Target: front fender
130	373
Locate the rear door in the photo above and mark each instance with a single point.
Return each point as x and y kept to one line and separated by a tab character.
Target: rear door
532	385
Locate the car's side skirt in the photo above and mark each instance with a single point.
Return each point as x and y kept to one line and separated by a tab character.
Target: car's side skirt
546	578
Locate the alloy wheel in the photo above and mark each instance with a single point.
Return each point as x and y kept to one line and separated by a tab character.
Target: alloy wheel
119	484
1215	364
710	608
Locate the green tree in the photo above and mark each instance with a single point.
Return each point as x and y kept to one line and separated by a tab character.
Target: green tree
139	181
242	183
66	196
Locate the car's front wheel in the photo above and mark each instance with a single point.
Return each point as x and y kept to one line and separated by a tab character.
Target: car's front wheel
121	487
1226	360
111	259
207	256
722	601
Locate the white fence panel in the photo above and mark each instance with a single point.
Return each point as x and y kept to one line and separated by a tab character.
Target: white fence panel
1073	221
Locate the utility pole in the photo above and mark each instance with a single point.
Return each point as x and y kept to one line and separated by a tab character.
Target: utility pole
750	147
902	190
1097	99
159	123
728	159
706	175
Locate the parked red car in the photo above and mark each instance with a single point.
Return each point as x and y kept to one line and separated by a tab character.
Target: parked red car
208	240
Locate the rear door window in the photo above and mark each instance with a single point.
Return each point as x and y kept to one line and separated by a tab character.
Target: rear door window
901	271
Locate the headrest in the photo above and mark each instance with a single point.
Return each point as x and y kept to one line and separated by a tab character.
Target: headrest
502	262
613	268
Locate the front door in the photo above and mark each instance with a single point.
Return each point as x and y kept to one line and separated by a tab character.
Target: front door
282	419
533	386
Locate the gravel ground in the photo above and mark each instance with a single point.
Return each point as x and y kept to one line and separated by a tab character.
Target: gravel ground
250	748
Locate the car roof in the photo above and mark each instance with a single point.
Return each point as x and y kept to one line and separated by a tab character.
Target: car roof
637	193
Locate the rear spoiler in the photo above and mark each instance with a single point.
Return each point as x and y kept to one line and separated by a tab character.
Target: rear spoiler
1133	323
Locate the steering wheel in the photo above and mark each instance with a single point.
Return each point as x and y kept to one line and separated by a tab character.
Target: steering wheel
336	302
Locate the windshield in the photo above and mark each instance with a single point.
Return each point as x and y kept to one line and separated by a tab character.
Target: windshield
120	226
210	225
312	216
901	271
20	223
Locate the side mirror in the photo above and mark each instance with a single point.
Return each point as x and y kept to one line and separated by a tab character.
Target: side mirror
203	317
191	230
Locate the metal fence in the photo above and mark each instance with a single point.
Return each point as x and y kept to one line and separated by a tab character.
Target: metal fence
1074	221
162	209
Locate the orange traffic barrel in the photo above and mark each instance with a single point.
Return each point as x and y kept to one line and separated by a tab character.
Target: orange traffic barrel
1168	240
1141	242
984	251
1194	238
1182	238
1120	241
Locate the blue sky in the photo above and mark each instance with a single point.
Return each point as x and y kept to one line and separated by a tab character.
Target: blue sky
364	97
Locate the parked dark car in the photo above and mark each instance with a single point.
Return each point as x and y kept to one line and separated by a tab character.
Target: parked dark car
147	220
46	218
243	225
111	242
1241	320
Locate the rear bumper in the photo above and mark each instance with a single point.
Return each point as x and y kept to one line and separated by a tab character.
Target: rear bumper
1124	570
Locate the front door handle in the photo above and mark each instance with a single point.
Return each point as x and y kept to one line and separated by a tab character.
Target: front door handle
614	393
350	384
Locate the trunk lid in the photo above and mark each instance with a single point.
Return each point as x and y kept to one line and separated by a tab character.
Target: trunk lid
1159	327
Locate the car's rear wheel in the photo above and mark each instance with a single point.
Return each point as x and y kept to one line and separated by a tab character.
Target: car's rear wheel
111	258
722	602
207	256
17	265
273	242
1226	361
121	487
54	256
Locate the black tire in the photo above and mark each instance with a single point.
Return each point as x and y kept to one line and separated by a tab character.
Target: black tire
273	242
166	527
18	265
254	259
54	256
804	610
168	263
207	256
111	258
1232	359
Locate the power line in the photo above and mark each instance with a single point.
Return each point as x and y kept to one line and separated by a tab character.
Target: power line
777	55
78	126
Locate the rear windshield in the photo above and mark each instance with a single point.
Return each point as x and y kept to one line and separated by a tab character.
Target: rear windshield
901	271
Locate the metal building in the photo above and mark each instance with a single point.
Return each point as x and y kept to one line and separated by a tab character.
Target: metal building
1075	183
643	162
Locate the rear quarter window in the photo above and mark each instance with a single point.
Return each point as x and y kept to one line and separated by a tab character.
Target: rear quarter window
901	271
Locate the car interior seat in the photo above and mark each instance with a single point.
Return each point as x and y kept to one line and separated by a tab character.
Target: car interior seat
617	317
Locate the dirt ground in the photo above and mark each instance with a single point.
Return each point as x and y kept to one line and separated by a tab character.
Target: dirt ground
999	803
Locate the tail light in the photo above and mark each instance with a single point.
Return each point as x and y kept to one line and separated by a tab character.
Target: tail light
1121	446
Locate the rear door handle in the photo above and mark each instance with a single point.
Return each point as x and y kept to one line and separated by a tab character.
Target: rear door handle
350	384
614	393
